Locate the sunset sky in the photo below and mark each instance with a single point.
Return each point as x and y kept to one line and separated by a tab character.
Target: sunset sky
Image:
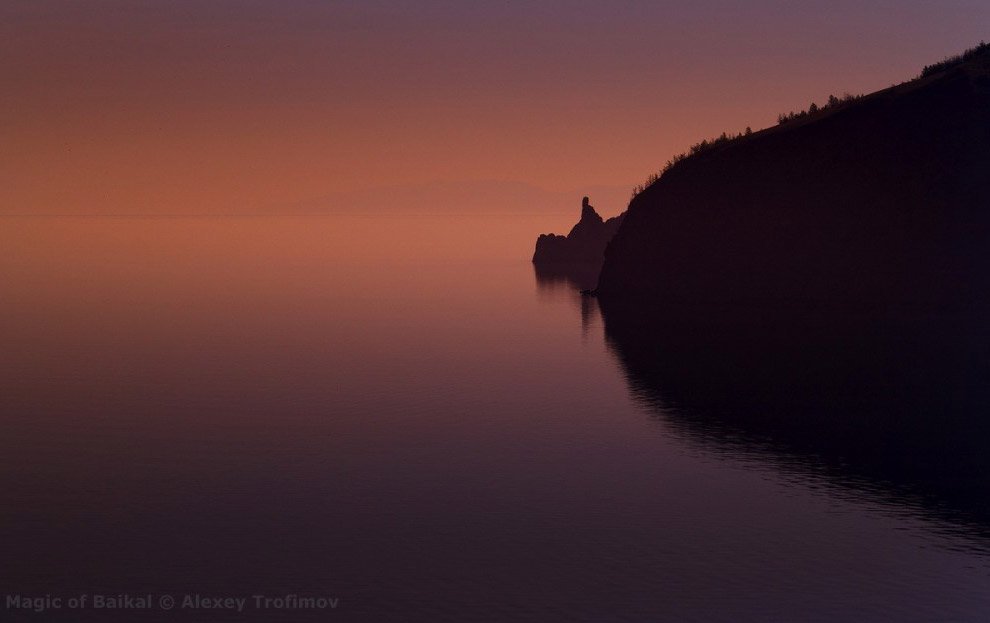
187	106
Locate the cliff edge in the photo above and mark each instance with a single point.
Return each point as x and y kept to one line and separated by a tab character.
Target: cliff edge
882	201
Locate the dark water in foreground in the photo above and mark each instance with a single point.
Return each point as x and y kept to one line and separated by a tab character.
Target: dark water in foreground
335	407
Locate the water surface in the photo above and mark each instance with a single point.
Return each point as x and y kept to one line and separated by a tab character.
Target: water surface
398	413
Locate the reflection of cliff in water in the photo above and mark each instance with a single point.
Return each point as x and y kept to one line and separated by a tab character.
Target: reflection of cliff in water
570	275
566	280
899	402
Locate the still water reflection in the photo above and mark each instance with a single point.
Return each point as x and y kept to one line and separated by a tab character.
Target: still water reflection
337	406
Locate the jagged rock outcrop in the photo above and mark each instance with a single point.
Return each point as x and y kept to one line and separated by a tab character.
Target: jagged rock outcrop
882	202
585	243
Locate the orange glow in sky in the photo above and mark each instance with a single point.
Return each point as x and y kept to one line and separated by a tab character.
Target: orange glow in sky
189	107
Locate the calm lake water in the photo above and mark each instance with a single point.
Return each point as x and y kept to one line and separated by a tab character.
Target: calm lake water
397	413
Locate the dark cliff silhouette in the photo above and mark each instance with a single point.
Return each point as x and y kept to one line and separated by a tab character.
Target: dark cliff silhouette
895	404
819	292
584	244
880	201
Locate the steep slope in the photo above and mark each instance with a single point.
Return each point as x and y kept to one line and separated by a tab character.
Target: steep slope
884	201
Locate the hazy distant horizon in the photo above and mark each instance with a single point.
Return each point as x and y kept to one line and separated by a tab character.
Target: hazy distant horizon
439	197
